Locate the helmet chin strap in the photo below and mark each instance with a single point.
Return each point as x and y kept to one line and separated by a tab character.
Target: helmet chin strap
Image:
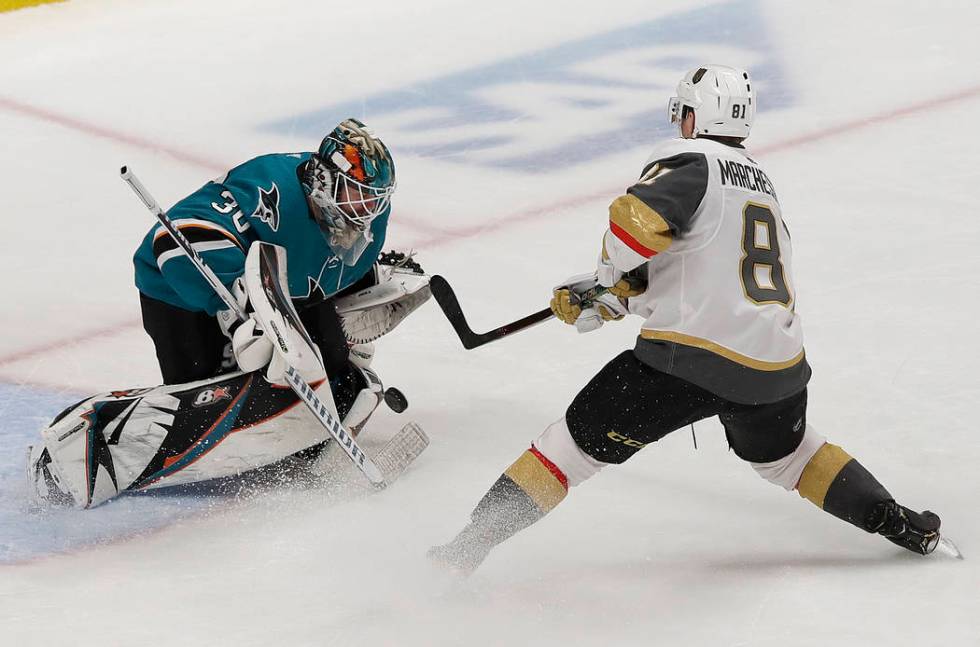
350	245
346	238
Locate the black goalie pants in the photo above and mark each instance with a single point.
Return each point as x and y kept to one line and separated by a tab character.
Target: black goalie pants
629	405
190	346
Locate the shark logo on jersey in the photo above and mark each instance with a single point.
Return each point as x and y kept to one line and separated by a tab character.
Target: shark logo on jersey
314	294
267	210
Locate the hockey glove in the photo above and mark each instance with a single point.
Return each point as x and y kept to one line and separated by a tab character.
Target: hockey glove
311	369
577	303
399	288
251	347
628	286
268	296
361	355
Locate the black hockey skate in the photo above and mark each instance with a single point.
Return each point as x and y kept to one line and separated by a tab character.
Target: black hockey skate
450	558
918	532
463	554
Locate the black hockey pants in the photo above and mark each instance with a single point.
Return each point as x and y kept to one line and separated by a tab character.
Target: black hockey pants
629	405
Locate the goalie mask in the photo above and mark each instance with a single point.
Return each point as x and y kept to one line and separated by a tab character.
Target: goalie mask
349	182
721	97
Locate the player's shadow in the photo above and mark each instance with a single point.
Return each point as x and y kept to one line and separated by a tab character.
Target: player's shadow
888	556
749	564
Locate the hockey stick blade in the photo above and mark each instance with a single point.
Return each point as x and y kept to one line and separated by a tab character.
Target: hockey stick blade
446	298
341	436
403	448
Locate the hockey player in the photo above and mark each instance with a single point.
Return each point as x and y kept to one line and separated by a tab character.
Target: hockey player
329	210
698	248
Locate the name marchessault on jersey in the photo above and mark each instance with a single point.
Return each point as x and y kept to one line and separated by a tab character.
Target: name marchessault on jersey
745	176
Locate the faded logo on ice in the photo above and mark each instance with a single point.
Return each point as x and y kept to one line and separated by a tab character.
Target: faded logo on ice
576	102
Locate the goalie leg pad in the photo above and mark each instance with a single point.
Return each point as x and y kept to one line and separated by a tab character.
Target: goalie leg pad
365	402
167	435
46	486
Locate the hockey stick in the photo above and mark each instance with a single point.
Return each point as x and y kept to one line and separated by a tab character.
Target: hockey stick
446	298
414	437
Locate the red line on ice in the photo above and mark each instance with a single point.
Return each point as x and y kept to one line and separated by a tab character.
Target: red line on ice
106	133
873	120
52	346
443	238
532	213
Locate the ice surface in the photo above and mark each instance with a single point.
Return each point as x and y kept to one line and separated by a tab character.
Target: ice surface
513	124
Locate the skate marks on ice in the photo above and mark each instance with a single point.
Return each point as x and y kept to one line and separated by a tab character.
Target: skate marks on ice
28	533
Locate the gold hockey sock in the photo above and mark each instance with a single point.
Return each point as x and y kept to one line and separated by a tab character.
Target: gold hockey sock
838	484
524	493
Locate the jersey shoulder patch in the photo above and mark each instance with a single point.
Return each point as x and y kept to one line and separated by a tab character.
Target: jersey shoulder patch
267	188
673	187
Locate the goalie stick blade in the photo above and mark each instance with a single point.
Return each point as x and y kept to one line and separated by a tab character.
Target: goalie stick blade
446	298
404	447
341	436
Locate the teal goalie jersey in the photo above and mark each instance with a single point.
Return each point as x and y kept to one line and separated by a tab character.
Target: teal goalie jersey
259	200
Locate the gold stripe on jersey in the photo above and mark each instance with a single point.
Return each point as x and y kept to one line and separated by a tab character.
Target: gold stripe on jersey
718	349
531	475
820	472
642	223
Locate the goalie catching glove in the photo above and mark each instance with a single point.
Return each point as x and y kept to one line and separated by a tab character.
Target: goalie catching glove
400	287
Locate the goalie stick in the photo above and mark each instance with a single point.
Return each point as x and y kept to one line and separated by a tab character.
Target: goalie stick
400	450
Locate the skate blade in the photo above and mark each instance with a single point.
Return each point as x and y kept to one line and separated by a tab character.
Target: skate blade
947	547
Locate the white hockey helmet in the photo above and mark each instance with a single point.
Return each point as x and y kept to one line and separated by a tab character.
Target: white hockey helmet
721	97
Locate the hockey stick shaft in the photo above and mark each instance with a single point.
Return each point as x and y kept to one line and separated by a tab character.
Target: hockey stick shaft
303	390
445	296
185	245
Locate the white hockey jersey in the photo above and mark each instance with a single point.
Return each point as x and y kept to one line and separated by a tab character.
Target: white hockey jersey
720	302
